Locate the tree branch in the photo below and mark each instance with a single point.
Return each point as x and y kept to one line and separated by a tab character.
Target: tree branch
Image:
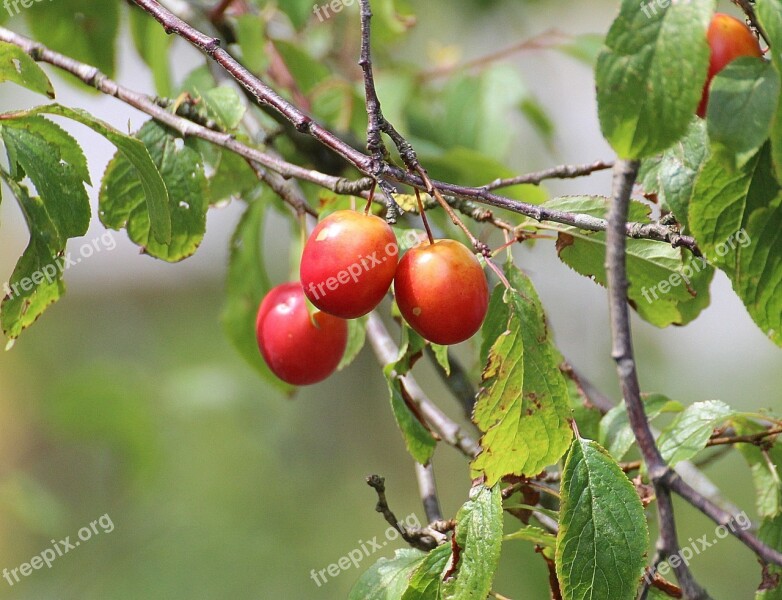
625	173
428	489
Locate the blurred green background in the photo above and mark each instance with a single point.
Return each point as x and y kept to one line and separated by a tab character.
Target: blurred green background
126	399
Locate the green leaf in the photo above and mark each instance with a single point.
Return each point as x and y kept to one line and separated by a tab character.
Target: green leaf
387	579
690	431
737	220
419	441
764	465
134	152
357	333
617	436
250	34
478	536
585	47
246	285
307	72
36	281
232	178
17	66
536	535
523	406
742	101
42	151
770	533
441	356
603	535
86	31
427	580
769	13
672	176
224	105
152	44
123	202
650	75
298	11
667	285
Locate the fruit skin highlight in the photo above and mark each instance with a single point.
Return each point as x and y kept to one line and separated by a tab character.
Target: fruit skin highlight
348	263
299	349
442	291
728	39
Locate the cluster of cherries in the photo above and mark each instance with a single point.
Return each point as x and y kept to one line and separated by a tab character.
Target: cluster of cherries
348	265
351	259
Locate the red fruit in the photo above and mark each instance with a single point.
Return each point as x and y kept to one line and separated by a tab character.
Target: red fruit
441	291
299	349
349	263
729	39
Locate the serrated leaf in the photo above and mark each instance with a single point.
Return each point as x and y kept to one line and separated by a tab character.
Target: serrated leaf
36	281
617	436
41	150
152	44
650	75
427	580
742	102
123	203
357	334
478	537
769	13
603	536
246	285
691	430
523	405
388	578
737	220
134	152
667	285
86	31
17	66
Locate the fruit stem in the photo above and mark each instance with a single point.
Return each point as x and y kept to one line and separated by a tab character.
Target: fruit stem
423	215
499	273
370	198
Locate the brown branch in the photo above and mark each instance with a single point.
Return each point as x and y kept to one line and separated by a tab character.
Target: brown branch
625	173
748	7
417	538
754	438
559	172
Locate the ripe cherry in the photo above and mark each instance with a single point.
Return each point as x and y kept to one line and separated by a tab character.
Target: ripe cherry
300	349
442	291
349	263
728	39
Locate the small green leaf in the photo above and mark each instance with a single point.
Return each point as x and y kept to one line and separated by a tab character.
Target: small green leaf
603	536
523	406
124	204
419	441
585	47
536	535
742	101
650	74
17	66
36	281
769	13
764	464
441	355
225	106
617	436
388	578
478	536
688	434
427	580
770	533
357	333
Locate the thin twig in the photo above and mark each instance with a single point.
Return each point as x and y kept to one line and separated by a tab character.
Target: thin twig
749	9
558	172
427	487
417	538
